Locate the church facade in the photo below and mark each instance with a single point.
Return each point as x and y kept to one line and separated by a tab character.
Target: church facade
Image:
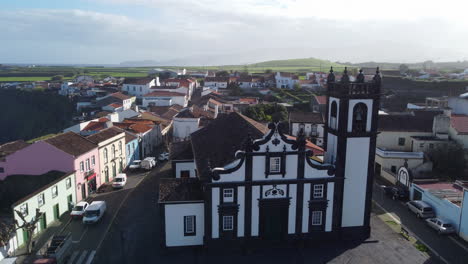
257	184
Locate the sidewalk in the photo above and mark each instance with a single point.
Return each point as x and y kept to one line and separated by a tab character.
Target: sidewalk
42	238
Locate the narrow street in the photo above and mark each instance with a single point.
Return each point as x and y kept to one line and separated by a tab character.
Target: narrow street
451	248
87	238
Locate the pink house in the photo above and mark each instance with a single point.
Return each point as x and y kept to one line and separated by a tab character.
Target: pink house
19	157
65	152
83	156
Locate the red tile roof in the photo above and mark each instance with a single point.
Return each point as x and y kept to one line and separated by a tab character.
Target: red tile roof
116	105
163	93
248	100
309	145
95	126
120	96
459	123
321	99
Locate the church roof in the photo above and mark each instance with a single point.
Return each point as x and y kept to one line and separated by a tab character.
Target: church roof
216	144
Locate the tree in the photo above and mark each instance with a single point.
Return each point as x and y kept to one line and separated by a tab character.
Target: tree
29	227
222	74
404	69
234	88
297	87
7	231
267	112
449	160
57	78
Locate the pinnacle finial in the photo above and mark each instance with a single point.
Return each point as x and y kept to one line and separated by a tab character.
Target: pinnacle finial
345	70
360	77
331	76
331	69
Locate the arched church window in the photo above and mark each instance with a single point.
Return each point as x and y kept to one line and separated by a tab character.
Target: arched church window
333	113
359	117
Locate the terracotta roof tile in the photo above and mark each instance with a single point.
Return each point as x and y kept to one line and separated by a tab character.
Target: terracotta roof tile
105	134
459	123
120	96
163	93
71	143
321	99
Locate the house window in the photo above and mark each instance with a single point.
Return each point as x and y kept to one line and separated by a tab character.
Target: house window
228	223
24	209
68	183
431	146
189	225
128	150
318	191
81	166
54	191
105	155
113	151
120	147
40	199
421	145
140	88
134	88
401	141
93	161
88	167
228	195
316	217
275	164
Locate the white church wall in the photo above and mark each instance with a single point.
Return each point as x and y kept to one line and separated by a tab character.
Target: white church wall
174	219
236	176
255	210
292	209
354	194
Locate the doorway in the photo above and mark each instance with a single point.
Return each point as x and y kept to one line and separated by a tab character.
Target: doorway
83	191
43	221
56	212
274	219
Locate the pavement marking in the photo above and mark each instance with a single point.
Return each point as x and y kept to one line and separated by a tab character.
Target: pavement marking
458	243
82	257
91	257
79	240
73	257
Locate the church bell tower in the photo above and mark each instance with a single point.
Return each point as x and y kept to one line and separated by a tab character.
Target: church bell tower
351	133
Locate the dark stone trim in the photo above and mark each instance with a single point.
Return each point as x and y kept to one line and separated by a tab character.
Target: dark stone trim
277	182
216	172
331	168
208	213
248	196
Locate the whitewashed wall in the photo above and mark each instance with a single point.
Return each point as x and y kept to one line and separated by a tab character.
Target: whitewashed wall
354	194
48	206
174	220
181	166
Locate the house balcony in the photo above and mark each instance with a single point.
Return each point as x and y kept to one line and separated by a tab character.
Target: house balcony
89	174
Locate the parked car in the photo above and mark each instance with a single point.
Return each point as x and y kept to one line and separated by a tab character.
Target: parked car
94	212
119	181
78	210
398	193
148	163
163	156
386	189
421	209
441	226
135	165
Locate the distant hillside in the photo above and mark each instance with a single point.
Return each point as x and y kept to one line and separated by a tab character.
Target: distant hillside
448	66
309	62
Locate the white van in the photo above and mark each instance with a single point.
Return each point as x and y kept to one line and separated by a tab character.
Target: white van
148	163
119	181
94	212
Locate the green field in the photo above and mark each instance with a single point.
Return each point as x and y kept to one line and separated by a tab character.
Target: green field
23	79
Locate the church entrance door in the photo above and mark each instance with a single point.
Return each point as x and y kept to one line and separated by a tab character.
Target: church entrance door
274	219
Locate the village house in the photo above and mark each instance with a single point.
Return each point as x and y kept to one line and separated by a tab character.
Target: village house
52	200
115	102
254	184
139	86
318	104
190	84
188	121
311	124
286	80
65	152
148	133
132	148
112	156
219	82
165	98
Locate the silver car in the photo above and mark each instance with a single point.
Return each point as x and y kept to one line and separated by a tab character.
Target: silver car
441	226
421	209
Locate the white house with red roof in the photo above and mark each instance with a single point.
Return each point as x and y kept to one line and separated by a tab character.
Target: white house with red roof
286	80
139	86
165	98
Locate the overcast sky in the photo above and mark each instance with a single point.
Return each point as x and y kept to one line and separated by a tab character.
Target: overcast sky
213	32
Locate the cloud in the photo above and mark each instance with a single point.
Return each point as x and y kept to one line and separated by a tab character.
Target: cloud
208	32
